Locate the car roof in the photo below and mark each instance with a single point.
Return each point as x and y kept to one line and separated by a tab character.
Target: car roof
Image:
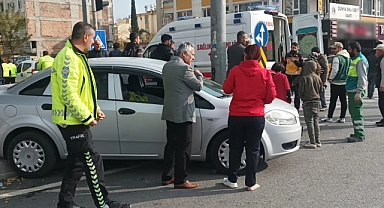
147	63
28	61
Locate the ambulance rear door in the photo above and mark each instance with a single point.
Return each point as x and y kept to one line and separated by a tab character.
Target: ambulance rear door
307	32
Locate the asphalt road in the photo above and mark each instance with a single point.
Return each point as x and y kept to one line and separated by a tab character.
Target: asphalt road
338	174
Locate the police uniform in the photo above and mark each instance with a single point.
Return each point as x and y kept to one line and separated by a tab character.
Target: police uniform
74	107
45	62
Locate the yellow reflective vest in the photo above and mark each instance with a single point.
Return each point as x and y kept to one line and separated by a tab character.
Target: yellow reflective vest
6	69
13	69
74	92
45	62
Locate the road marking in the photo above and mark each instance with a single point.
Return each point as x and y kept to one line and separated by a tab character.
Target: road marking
51	185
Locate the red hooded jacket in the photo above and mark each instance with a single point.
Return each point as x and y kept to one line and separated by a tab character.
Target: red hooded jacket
252	87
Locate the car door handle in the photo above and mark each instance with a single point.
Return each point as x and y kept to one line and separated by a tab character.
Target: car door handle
46	106
126	111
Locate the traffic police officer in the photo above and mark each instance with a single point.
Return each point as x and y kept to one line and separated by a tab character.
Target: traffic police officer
45	62
75	110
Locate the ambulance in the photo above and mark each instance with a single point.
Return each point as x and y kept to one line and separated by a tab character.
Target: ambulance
198	32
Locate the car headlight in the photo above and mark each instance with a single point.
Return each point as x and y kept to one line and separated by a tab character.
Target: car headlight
279	117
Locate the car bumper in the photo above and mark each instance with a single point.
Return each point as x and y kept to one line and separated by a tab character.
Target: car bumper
281	140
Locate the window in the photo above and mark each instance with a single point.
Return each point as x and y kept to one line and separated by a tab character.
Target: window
101	79
142	88
381	8
146	20
207	12
19	4
295	7
37	88
184	13
248	6
369	7
26	66
1	7
148	52
19	68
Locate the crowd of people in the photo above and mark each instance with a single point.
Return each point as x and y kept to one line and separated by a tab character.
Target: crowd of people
251	85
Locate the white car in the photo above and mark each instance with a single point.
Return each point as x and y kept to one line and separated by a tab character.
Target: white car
132	129
26	69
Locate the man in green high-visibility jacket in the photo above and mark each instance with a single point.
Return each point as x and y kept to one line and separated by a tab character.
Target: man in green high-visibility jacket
356	86
45	62
75	110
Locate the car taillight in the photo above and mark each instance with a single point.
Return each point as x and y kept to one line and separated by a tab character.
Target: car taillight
34	71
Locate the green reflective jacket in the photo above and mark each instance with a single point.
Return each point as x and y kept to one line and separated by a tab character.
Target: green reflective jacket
74	92
45	62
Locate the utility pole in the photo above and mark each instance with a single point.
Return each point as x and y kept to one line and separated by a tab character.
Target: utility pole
94	14
221	59
85	11
213	39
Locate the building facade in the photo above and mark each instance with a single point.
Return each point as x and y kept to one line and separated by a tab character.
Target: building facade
51	21
146	21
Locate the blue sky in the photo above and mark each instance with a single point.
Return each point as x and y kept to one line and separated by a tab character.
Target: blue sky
122	8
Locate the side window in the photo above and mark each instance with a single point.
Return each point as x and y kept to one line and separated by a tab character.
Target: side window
26	66
148	52
202	103
102	85
142	88
19	68
37	88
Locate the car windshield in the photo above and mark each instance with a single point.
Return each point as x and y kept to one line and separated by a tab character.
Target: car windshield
213	88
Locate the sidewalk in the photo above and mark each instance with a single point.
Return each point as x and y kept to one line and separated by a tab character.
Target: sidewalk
5	170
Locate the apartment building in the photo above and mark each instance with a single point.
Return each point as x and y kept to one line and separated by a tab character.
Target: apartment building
51	21
146	21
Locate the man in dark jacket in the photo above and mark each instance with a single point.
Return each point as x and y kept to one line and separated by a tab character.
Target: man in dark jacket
323	61
293	62
116	51
372	72
97	51
310	87
133	48
164	51
236	52
1	71
380	80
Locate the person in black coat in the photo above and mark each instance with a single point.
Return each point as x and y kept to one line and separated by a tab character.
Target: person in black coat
97	52
116	51
163	51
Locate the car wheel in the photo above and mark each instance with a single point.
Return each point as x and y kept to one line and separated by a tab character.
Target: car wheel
32	154
219	154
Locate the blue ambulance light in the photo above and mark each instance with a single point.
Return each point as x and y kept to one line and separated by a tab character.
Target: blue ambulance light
261	7
236	21
238	15
186	17
172	29
197	25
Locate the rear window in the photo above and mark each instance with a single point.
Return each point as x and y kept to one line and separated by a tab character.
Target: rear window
37	88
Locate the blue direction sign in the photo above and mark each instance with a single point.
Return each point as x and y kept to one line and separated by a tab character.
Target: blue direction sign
261	34
102	36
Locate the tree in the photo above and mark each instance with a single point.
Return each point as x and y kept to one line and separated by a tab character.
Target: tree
134	24
13	28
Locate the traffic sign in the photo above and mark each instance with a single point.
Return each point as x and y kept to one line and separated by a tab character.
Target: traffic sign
102	36
261	34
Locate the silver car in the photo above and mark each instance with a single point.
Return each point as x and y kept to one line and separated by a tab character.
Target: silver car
132	128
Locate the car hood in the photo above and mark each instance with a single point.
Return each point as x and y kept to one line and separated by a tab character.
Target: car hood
277	104
4	88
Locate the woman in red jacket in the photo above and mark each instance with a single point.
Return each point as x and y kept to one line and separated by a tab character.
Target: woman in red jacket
252	87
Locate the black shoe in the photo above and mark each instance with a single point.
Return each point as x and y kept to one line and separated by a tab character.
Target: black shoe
115	204
380	122
355	139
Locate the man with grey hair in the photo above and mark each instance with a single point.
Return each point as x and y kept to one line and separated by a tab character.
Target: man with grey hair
180	81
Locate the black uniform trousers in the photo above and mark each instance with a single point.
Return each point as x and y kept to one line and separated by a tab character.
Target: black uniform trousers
177	152
295	90
82	157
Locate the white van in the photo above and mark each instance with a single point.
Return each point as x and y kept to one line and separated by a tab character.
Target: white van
198	32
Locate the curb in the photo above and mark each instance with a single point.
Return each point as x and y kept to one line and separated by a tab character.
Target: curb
5	170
